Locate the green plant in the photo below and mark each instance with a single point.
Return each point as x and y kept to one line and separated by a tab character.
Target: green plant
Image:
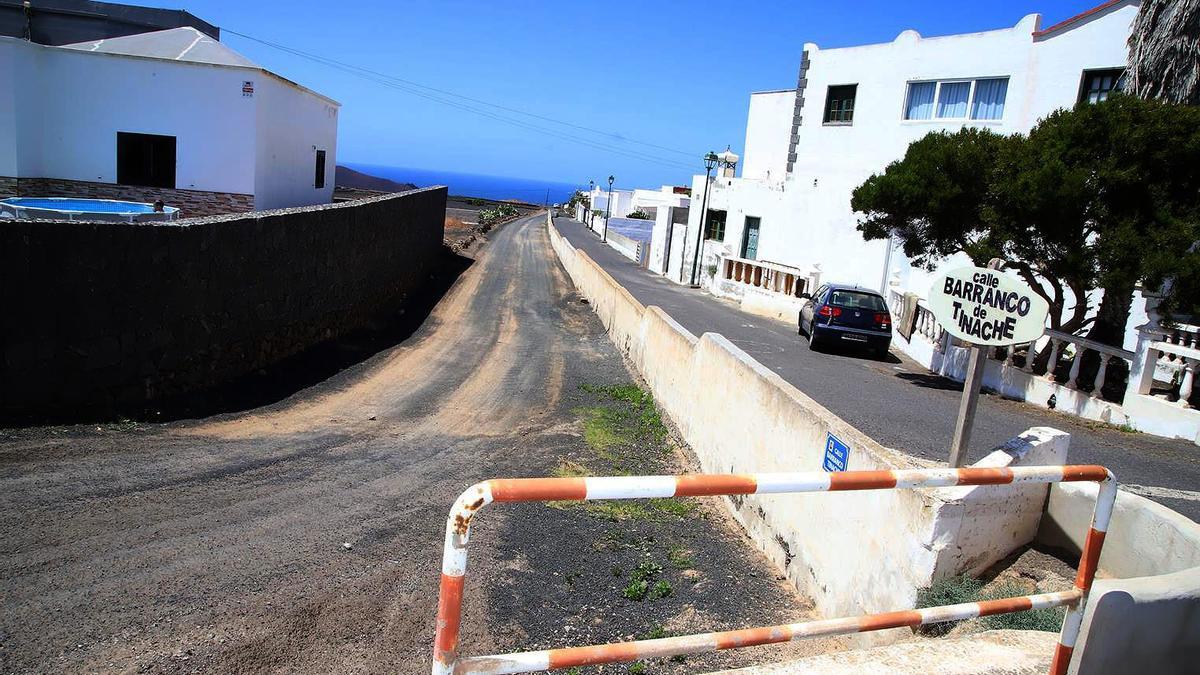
639	581
660	589
948	591
1048	619
637	668
636	589
638	215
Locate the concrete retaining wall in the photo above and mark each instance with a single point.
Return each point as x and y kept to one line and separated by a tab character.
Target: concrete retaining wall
851	552
106	317
1144	611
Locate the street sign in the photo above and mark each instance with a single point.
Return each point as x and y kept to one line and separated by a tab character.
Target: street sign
837	454
986	307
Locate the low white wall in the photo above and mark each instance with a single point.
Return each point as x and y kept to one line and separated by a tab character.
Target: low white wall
852	553
1143	614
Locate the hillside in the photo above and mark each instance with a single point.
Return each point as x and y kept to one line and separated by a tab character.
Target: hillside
345	177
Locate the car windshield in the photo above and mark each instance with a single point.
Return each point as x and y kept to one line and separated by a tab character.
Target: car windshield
857	300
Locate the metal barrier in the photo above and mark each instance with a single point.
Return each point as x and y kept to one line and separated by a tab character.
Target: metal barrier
458	531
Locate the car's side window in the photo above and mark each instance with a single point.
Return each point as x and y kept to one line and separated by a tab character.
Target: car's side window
819	294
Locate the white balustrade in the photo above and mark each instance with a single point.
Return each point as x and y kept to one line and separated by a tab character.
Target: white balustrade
768	276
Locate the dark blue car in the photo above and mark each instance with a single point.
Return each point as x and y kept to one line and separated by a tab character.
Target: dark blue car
846	315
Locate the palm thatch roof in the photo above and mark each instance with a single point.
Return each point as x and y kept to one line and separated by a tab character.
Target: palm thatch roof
1164	51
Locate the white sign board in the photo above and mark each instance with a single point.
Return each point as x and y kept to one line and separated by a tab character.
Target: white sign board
987	307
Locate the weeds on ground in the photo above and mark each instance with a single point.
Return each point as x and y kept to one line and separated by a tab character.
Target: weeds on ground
1047	619
948	591
964	588
680	558
639	582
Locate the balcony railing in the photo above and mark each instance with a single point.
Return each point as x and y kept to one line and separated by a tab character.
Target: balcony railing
768	276
1107	377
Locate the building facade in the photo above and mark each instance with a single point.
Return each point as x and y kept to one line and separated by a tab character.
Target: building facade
856	109
173	115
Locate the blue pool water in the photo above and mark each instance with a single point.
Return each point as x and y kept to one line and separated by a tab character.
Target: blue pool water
81	205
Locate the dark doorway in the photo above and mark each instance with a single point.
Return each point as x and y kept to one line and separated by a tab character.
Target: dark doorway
145	159
319	181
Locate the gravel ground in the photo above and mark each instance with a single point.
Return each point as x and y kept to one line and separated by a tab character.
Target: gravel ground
218	544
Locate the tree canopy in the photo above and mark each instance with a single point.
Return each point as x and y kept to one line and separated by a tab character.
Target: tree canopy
1104	196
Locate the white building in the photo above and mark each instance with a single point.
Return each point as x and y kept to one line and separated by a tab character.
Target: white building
173	115
856	109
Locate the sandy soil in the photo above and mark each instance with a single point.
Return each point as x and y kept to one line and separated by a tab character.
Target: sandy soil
217	545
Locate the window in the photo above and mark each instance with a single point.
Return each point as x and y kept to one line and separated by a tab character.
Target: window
920	100
981	99
988	103
839	104
1097	84
857	300
952	99
714	229
319	181
145	159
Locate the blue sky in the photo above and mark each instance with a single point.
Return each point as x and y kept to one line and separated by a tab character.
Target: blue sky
675	74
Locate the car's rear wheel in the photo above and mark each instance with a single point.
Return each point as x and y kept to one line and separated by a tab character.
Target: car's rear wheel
813	343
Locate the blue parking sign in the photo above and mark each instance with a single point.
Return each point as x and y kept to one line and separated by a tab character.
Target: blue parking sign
837	454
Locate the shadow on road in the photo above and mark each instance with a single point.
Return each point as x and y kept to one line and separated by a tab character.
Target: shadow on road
931	381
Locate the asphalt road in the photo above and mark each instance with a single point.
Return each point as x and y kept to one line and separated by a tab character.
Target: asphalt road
897	401
217	545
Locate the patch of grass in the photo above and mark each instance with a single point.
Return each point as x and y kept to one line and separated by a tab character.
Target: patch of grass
1047	619
964	588
604	427
637	668
948	591
674	506
620	510
680	557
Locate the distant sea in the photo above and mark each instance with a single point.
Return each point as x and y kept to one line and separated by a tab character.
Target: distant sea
475	185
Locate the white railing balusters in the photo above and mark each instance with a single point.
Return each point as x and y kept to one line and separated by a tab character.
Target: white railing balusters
1098	384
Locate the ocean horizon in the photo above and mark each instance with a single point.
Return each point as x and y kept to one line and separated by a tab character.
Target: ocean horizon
474	185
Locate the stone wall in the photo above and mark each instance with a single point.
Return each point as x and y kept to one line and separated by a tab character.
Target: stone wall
107	317
191	203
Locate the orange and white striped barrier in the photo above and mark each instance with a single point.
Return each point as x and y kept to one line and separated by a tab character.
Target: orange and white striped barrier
458	532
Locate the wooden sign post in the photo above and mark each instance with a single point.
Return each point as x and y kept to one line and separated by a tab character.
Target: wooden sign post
984	308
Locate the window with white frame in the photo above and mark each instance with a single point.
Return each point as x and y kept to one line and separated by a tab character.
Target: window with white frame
979	99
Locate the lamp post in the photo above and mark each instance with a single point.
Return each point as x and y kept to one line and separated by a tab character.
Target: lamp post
590	216
710	163
607	210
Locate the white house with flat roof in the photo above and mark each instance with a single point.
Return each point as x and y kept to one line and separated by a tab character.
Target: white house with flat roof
856	109
174	115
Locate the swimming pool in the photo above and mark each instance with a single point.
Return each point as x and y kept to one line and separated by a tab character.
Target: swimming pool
72	208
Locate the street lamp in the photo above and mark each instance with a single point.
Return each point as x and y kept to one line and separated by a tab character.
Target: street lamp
607	209
710	162
590	216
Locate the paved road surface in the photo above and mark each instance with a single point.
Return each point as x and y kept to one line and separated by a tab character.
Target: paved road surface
216	545
897	401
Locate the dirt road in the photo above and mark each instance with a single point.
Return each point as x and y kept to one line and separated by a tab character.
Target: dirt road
217	545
